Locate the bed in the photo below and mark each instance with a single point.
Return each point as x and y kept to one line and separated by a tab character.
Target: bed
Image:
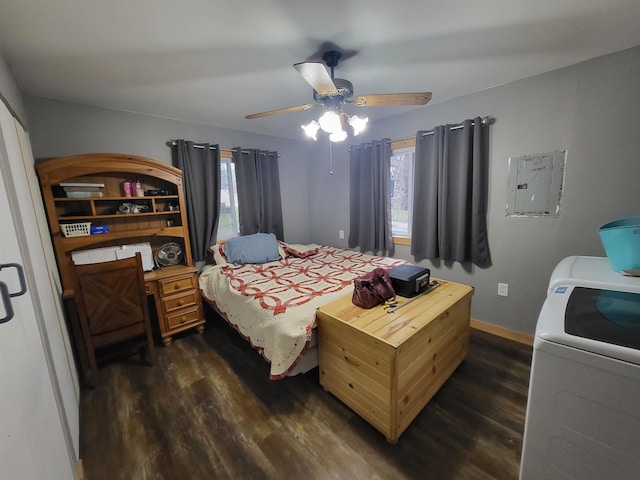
273	304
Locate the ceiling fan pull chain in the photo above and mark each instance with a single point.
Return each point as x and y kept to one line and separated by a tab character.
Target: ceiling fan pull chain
330	158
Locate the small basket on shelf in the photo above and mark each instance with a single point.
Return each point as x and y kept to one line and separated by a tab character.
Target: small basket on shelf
79	229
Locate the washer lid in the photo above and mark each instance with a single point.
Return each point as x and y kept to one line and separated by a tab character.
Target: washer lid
605	322
593	272
604	315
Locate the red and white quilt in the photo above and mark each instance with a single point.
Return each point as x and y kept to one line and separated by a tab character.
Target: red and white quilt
273	304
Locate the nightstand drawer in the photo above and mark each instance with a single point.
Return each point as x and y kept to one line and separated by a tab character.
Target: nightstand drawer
184	300
173	285
184	317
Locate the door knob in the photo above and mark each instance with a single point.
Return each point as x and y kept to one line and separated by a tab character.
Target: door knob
6	295
6	302
23	284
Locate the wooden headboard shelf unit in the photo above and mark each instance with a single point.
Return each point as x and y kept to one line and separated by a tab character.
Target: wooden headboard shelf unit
158	225
164	220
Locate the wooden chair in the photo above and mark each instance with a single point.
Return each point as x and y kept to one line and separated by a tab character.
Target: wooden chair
111	302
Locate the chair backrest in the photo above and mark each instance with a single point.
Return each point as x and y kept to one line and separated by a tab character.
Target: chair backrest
112	302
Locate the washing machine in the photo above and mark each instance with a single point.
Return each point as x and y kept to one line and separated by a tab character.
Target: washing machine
583	410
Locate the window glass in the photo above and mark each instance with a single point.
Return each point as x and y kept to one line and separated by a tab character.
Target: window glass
228	219
402	191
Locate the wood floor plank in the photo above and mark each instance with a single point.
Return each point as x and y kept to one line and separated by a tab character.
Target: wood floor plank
207	410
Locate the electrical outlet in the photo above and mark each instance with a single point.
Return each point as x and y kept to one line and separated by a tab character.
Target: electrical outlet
503	289
341	234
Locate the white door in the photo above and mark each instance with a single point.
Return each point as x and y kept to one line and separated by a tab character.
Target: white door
47	279
34	435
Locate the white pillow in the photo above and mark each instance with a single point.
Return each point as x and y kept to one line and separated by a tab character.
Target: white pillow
301	251
219	257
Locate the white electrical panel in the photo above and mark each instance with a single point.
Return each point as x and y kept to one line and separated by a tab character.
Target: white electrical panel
535	184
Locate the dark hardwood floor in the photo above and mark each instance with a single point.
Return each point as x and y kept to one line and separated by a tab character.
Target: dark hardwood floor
207	410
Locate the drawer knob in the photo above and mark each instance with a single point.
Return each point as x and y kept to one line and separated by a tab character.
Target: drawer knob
350	361
183	319
176	286
180	303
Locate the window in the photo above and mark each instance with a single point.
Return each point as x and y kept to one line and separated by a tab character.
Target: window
402	161
228	217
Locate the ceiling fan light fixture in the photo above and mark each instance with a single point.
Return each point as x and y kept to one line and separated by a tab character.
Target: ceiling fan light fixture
330	122
311	129
332	92
358	124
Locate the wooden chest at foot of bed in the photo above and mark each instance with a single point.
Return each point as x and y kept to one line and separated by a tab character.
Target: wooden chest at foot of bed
387	366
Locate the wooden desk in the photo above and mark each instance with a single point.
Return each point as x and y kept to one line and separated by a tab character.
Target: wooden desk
387	366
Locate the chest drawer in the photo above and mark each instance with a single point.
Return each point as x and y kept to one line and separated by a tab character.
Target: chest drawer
179	284
182	300
184	317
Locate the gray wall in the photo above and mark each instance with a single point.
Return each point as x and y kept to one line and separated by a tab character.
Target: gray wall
9	92
329	193
62	128
592	110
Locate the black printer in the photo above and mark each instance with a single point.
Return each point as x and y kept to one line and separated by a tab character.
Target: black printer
409	280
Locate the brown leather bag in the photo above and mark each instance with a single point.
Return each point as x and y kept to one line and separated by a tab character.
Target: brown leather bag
373	288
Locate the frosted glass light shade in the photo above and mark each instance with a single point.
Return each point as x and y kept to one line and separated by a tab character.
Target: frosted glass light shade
338	136
311	129
330	122
358	124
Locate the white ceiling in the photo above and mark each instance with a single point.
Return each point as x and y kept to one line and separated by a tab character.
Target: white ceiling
212	62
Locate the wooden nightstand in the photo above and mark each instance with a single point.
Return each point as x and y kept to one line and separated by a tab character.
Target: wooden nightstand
387	366
177	299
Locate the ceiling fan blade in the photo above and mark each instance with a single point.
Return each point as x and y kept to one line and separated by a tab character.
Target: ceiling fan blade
297	108
317	76
388	99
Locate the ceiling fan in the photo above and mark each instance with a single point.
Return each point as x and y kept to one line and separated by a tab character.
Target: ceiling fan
332	93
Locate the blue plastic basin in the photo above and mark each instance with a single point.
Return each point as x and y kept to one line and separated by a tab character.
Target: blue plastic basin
621	241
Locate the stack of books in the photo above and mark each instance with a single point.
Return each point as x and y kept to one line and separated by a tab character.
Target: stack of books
83	190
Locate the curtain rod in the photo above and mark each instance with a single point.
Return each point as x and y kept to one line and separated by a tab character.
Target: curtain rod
173	143
484	121
211	147
403	141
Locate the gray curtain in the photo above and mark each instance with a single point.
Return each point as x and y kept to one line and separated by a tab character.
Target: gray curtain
200	165
450	194
258	182
370	197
